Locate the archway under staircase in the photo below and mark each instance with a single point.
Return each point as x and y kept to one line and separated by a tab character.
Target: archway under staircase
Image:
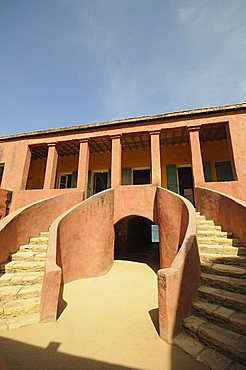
136	239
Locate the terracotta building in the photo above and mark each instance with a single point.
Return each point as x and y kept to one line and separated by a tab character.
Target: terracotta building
77	197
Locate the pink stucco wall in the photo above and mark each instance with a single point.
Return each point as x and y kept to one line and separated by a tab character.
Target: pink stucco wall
177	284
86	238
81	241
237	132
226	211
231	188
137	200
15	153
81	244
22	198
18	226
172	221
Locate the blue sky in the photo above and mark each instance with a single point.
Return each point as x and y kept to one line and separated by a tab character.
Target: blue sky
68	62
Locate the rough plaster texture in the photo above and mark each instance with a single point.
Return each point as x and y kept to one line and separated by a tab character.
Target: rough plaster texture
177	285
81	244
135	200
172	220
18	226
237	134
231	188
86	238
226	211
22	198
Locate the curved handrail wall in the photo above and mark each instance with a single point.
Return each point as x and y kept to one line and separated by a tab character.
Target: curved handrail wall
225	210
18	226
177	284
77	249
81	244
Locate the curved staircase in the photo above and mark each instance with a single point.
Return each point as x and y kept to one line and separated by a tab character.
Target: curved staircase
215	332
21	281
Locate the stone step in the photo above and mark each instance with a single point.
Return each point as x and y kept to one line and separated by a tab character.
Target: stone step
33	247
224	259
214	233
227	317
226	341
28	256
39	240
23	265
224	282
200	217
223	250
44	233
10	293
209	357
204	222
229	299
21	284
219	241
21	278
20	307
222	269
21	320
205	226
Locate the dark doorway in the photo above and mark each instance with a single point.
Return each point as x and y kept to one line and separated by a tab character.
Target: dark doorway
186	183
135	240
141	177
100	181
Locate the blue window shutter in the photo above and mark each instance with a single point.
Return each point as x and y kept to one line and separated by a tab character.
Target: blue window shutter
223	171
74	179
126	176
172	183
207	171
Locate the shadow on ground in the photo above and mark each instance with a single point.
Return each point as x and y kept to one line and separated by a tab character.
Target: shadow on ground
16	355
150	259
154	315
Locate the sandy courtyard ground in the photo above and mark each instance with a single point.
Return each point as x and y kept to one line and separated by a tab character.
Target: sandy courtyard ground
108	323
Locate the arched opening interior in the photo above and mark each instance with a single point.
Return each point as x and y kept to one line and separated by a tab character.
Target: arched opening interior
136	239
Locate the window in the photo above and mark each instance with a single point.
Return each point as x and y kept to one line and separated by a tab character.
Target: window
66	180
136	176
141	176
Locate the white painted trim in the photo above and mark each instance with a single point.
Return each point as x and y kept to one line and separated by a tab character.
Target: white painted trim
58	181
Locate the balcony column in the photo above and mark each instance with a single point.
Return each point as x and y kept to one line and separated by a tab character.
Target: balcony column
116	161
155	158
27	154
83	166
196	156
51	165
